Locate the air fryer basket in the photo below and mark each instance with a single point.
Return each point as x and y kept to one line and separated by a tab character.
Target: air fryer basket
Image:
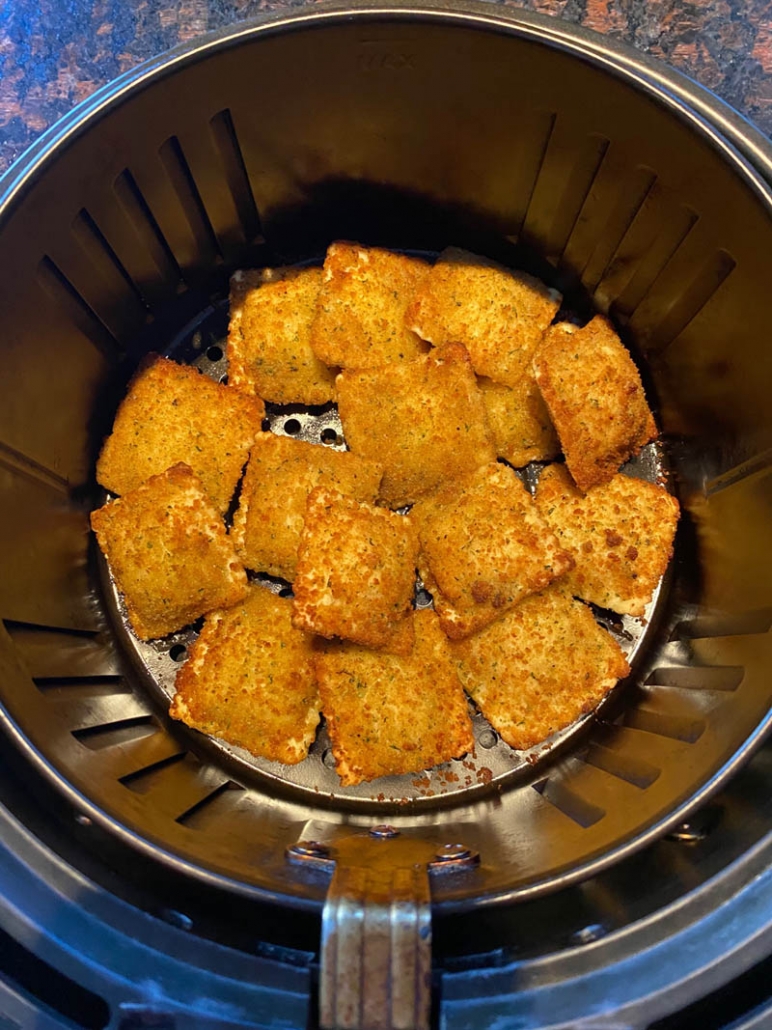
414	128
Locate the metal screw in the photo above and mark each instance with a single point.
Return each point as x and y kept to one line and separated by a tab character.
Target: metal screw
697	827
309	849
384	832
178	919
588	934
453	853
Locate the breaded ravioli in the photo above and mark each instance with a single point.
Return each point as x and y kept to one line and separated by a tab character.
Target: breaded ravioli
484	547
620	535
250	680
423	420
360	316
269	336
272	506
389	715
539	668
520	422
172	413
356	572
595	397
499	315
168	552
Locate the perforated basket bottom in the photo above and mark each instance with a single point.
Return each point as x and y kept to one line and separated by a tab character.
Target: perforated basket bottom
491	764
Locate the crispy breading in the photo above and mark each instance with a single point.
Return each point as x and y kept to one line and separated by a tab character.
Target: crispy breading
424	420
595	397
360	317
539	668
390	715
250	680
356	571
168	552
484	547
499	315
272	507
520	422
172	413
620	535
269	336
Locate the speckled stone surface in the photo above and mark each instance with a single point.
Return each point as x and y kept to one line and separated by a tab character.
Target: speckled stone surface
54	53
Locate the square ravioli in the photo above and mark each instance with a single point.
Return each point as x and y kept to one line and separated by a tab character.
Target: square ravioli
499	315
538	669
620	535
423	420
520	422
168	552
280	475
389	715
595	397
172	413
484	547
250	680
269	336
356	572
360	317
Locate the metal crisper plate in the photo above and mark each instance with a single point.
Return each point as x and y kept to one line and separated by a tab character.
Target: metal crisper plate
118	237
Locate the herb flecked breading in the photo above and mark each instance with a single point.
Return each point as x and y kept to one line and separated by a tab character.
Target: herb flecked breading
360	314
484	547
423	420
250	680
356	572
498	314
172	413
389	714
620	535
595	397
168	552
539	668
269	336
280	475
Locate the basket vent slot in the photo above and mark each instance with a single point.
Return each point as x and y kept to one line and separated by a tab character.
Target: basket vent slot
202	813
758	465
227	144
679	310
581	811
663	724
691	677
140	780
178	170
146	227
724	625
565	179
102	256
632	193
62	655
626	767
530	163
73	689
656	234
75	308
112	734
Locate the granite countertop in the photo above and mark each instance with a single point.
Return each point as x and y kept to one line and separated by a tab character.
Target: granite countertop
54	53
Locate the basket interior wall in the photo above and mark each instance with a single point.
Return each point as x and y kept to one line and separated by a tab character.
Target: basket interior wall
416	133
